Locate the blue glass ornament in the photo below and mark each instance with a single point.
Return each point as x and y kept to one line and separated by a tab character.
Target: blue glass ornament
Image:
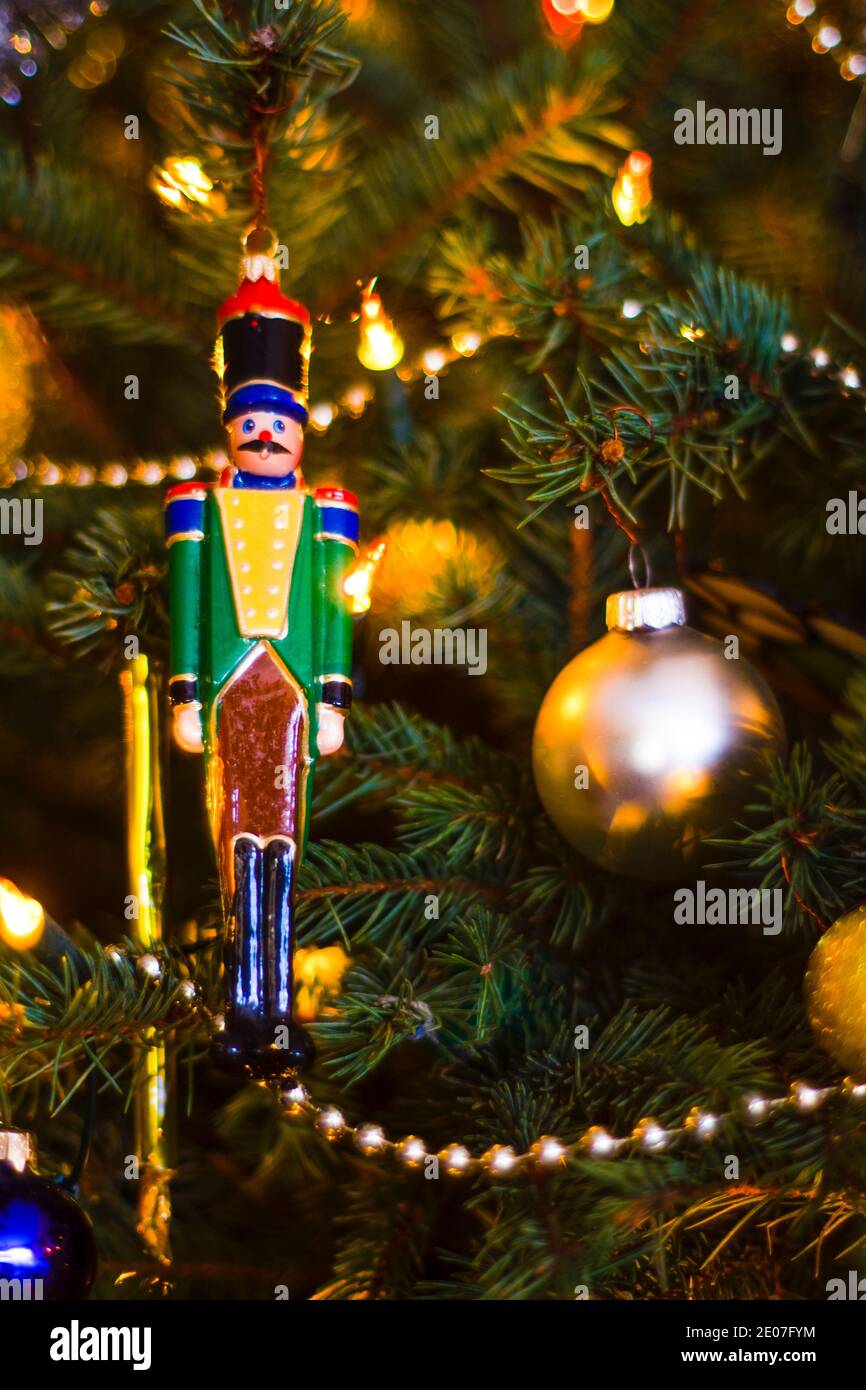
46	1240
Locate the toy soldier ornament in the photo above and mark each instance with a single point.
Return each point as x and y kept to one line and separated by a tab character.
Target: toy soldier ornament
261	643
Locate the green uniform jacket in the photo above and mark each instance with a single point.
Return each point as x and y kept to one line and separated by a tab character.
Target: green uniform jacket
252	566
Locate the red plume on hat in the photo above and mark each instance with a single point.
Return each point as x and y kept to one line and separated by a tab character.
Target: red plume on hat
264	339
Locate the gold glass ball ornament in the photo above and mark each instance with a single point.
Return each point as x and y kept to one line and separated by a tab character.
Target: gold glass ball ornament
835	988
651	740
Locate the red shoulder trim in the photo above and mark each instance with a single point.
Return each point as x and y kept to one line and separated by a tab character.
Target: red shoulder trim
182	489
225	478
336	494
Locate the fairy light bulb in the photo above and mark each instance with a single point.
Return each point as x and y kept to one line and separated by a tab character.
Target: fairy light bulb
356	400
565	25
434	360
594	11
22	919
632	191
381	346
189	174
757	1108
180	182
467	342
322	416
828	36
358	583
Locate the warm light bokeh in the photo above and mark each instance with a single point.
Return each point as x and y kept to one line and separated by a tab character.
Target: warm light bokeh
358	583
381	346
632	191
319	972
22	919
419	554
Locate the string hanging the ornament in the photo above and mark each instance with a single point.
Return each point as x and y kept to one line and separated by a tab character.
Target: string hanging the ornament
635	551
612	452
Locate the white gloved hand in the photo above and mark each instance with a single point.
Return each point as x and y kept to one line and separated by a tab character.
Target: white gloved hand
186	721
330	736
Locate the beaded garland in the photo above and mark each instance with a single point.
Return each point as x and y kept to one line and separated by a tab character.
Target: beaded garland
548	1152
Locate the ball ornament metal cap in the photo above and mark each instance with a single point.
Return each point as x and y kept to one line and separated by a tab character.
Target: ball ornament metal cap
645	610
17	1148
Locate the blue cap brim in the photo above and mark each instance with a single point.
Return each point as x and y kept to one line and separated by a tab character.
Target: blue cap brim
264	396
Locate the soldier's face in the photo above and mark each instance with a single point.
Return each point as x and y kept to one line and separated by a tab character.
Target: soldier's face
267	444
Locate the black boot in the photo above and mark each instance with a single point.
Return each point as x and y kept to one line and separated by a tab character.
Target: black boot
291	1039
260	1037
243	959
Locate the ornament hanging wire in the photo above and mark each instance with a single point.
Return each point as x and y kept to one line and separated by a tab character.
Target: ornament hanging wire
635	552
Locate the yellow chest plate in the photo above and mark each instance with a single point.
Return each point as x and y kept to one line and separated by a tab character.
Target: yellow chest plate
261	531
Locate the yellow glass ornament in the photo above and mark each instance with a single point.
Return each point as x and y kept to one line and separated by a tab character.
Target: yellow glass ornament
19	351
650	740
835	987
145	844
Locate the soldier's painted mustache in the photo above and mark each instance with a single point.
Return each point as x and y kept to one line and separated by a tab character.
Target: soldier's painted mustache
258	446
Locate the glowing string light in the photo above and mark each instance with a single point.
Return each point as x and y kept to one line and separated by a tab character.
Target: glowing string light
595	11
381	346
632	191
22	919
180	182
358	583
564	26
